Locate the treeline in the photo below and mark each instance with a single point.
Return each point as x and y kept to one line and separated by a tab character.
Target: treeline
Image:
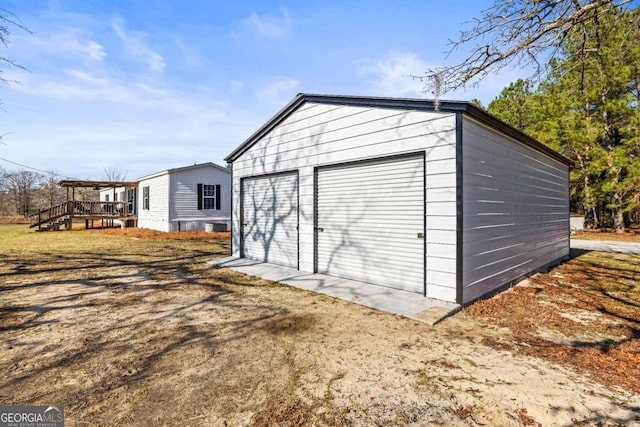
587	108
24	192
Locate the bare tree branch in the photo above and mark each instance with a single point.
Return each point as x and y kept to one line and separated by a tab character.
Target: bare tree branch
114	173
9	20
523	32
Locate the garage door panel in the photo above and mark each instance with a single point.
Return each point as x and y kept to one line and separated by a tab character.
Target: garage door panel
391	225
348	261
369	252
370	220
270	219
374	169
400	241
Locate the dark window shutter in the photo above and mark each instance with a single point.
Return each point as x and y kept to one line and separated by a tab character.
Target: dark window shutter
218	197
199	197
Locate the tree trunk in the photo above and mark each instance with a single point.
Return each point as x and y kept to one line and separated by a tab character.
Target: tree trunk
617	214
591	218
618	220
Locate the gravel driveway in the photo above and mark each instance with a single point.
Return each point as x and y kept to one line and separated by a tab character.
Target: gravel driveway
606	246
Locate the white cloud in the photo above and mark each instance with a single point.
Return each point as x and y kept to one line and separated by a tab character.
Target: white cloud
269	26
135	45
80	85
391	74
188	56
236	86
69	42
280	91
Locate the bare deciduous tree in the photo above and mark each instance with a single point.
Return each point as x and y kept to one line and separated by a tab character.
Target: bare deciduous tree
9	21
22	185
49	192
113	173
523	32
4	193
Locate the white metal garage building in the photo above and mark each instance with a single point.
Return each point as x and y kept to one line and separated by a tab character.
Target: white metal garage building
449	203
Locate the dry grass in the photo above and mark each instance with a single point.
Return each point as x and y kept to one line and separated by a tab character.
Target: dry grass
133	328
584	313
13	219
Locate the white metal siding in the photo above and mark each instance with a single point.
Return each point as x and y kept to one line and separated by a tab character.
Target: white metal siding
157	216
270	219
371	222
516	210
321	134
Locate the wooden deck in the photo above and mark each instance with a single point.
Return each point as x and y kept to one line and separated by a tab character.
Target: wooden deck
64	214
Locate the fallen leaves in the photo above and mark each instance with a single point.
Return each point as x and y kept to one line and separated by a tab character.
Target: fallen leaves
585	314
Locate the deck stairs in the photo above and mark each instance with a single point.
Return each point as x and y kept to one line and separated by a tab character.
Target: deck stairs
56	224
51	218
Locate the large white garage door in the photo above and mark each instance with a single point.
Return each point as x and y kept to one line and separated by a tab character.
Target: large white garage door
370	222
270	219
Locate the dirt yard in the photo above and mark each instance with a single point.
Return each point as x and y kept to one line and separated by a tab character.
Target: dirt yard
134	328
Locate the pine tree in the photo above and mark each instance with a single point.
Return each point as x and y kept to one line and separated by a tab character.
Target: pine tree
597	79
588	109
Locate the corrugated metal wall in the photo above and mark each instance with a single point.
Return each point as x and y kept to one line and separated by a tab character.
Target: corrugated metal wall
516	210
322	134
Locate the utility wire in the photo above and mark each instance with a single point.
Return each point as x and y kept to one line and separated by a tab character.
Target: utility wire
35	169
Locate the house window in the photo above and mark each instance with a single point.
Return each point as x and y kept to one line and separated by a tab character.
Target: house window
131	201
208	196
145	198
106	197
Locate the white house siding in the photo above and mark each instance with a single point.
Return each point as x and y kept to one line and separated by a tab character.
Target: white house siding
183	208
157	216
113	197
318	134
516	210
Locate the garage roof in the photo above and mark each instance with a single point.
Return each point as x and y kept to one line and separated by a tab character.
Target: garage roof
396	103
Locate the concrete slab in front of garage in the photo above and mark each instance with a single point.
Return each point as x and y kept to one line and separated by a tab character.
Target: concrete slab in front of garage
408	304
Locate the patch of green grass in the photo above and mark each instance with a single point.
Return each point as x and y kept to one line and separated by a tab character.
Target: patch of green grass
13	231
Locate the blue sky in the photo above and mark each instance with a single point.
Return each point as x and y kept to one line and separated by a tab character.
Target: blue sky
147	85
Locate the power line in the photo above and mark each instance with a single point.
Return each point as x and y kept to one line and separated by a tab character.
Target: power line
35	169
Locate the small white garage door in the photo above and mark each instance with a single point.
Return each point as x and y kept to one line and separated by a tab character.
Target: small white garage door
370	222
270	219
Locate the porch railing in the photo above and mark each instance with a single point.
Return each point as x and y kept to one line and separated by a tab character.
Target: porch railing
80	209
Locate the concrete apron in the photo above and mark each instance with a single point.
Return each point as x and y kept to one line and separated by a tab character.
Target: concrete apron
408	304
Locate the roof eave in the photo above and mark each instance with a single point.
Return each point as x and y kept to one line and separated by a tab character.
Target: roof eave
184	168
94	184
399	103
